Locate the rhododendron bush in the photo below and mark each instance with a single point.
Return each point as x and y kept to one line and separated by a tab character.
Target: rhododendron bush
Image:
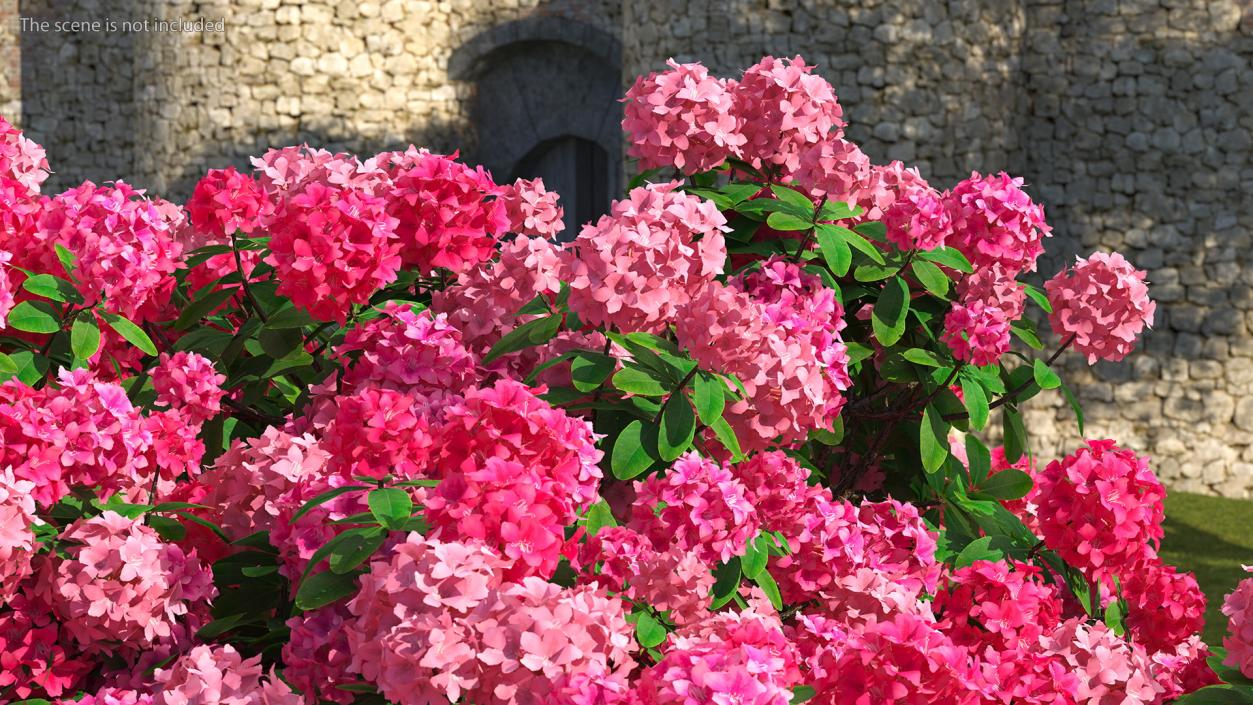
368	430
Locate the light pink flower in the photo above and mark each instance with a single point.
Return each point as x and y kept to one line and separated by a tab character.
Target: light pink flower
913	212
995	222
187	381
531	209
835	168
1103	302
782	107
120	587
681	117
219	675
977	327
672	580
1183	668
1100	509
21	158
17	540
634	268
1109	669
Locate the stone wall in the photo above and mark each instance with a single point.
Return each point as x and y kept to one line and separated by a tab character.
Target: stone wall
1132	120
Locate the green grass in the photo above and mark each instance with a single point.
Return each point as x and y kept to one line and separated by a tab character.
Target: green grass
1211	537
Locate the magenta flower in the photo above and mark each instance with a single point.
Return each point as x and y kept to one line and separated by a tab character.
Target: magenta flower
21	159
225	202
1238	607
995	222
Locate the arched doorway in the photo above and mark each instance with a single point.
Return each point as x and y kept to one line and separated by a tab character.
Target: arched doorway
579	170
545	104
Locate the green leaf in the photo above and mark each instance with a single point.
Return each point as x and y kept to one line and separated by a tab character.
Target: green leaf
978	550
648	631
1023	331
1039	297
793	198
1015	435
630	456
390	506
709	396
979	458
839	210
726	436
54	288
872	272
289	317
726	582
169	529
787	222
1114	617
1074	406
632	380
1218	695
35	317
30	367
766	582
1005	485
873	230
949	257
932	439
835	250
890	312
589	370
84	337
322	589
66	258
599	516
678	427
323	499
1226	674
201	307
802	693
131	332
221	626
1045	376
754	560
527	335
355	550
920	356
932	278
8	367
976	402
853	240
858	352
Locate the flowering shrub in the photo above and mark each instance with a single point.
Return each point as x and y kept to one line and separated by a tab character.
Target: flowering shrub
357	431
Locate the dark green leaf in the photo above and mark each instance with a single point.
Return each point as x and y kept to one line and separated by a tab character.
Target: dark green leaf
890	312
1015	435
726	582
322	589
678	427
630	457
932	278
976	402
726	436
754	560
221	626
84	337
709	396
131	332
167	528
838	210
201	307
527	335
802	693
1045	376
858	352
787	222
949	257
835	250
932	439
1023	331
1041	299
648	631
870	272
289	317
1218	695
979	458
1006	485
54	288
1074	406
324	498
30	367
920	356
355	550
35	317
589	370
635	381
873	230
390	506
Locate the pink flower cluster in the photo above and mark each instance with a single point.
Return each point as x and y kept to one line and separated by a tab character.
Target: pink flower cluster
21	159
977	327
913	211
783	107
1103	303
777	330
219	675
7	288
188	382
655	251
673	580
531	209
17	541
995	222
683	118
835	168
445	608
120	586
1101	509
1238	608
225	202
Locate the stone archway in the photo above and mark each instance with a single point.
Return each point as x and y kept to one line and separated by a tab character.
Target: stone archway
545	104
